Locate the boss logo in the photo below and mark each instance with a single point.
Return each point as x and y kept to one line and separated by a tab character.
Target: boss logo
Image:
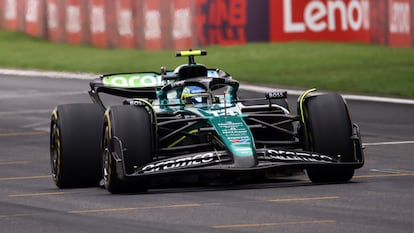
276	95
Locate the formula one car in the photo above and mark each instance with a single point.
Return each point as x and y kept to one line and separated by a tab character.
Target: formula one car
190	121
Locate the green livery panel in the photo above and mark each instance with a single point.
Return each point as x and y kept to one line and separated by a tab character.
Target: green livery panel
235	133
133	80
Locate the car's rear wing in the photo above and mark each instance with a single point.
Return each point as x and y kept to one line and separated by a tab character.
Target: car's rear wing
129	85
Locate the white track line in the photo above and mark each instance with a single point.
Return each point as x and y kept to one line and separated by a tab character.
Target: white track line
25	112
48	74
89	76
30	95
394	171
387	143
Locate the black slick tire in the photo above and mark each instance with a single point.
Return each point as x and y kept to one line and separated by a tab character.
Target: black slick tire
75	145
132	126
329	131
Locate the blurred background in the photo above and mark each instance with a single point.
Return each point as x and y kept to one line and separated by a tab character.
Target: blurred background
349	45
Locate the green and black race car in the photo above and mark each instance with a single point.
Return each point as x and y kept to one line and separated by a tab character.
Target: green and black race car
191	122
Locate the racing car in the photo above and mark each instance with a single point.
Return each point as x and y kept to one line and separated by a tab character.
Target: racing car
190	121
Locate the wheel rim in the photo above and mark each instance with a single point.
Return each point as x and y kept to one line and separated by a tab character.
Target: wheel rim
55	151
106	159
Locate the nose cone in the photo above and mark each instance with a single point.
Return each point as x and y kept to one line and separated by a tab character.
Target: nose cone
237	137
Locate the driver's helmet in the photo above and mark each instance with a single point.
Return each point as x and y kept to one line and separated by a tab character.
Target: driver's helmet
194	95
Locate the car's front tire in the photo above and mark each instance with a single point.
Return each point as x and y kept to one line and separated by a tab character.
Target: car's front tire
328	131
132	127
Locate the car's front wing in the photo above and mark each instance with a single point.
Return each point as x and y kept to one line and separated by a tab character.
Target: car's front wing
222	162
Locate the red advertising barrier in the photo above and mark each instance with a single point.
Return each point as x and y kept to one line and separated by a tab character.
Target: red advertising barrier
80	18
9	14
56	11
21	15
98	23
111	23
379	23
221	21
125	24
412	22
34	17
73	21
346	20
182	26
13	12
139	23
166	24
200	19
152	25
2	17
399	18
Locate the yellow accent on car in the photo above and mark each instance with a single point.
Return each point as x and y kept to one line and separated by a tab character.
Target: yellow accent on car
54	114
108	118
301	99
191	53
182	138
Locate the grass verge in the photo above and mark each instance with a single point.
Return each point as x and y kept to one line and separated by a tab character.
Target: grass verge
352	67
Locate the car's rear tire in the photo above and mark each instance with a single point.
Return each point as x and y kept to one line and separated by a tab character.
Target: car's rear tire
329	130
132	126
75	145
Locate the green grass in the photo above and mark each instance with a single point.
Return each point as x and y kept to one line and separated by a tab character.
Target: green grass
353	67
